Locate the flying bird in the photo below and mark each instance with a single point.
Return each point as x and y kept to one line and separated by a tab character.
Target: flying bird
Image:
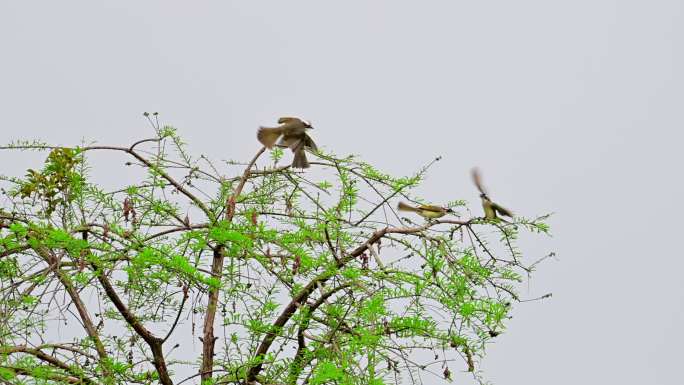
425	211
292	134
491	209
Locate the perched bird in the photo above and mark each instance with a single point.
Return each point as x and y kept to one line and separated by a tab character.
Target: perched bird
491	209
425	211
292	134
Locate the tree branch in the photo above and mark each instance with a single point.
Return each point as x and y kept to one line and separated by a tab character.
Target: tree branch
209	340
47	358
53	377
46	254
161	172
303	295
155	343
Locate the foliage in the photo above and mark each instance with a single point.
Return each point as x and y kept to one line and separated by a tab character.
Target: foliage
312	277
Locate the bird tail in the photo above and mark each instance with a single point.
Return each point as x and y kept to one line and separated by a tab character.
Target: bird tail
300	160
502	211
268	136
404	207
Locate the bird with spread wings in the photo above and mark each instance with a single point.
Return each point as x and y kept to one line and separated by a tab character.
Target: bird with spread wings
292	134
491	209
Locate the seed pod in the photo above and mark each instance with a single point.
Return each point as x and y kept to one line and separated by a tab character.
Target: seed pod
296	265
447	374
127	207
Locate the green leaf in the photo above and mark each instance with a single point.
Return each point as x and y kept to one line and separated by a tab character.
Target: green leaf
325	185
224	236
327	372
373	308
277	154
7	374
467	309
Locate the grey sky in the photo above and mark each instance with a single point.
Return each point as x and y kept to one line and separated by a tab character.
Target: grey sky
573	107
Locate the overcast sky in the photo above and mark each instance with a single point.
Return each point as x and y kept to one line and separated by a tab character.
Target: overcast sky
573	107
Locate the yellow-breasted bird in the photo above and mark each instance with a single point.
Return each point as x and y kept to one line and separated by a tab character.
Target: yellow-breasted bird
425	211
292	134
491	209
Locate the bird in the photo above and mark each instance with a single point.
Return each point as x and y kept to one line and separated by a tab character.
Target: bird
292	134
425	211
491	209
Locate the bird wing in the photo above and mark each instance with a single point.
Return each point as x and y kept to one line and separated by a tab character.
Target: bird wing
268	136
291	141
502	210
404	207
288	119
432	208
308	142
477	179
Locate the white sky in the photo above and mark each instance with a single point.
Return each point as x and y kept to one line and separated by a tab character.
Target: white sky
573	107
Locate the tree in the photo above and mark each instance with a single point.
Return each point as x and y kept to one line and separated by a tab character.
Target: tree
277	276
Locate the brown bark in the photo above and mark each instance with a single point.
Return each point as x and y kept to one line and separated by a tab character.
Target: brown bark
88	324
155	343
46	358
208	339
